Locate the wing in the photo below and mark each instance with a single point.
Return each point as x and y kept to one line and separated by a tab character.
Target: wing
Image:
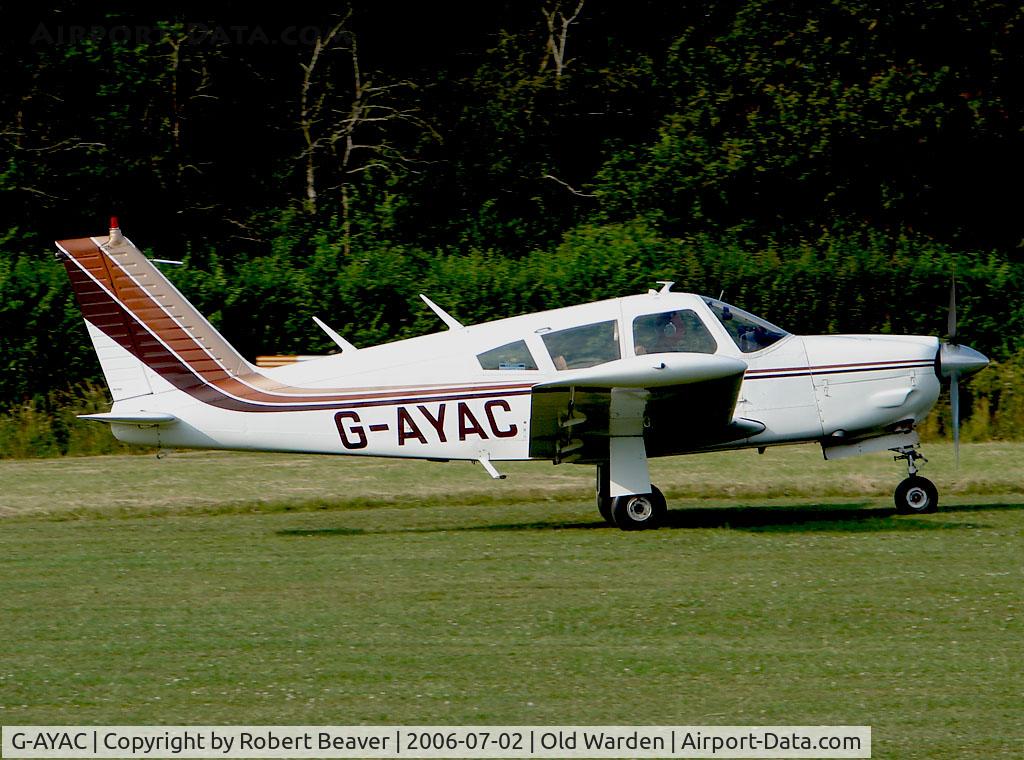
677	402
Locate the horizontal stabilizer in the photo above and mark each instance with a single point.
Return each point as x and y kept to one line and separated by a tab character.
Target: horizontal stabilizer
650	371
131	418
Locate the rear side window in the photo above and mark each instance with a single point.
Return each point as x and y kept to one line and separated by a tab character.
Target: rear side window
584	346
511	356
672	332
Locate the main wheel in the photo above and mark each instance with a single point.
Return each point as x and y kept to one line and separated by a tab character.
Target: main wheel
639	511
916	496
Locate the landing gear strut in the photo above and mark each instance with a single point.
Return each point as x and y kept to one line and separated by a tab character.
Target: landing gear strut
915	495
642	511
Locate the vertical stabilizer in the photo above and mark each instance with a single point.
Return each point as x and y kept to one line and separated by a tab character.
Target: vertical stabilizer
143	329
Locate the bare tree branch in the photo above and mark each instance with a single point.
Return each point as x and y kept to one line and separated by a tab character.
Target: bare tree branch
558	33
310	109
352	125
568	187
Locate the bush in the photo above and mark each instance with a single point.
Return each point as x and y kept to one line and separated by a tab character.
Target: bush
47	426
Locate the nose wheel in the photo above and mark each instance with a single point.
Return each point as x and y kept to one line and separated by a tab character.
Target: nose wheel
915	495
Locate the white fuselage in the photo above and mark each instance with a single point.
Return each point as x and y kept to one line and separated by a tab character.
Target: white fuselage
431	397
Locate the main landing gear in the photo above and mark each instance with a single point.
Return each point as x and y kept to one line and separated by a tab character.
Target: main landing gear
642	511
915	495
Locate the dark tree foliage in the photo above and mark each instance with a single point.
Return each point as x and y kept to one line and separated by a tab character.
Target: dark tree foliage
787	117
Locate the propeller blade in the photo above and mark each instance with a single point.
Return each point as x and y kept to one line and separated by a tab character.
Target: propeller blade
951	319
954	402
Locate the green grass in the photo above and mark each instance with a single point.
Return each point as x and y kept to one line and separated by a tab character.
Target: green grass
219	588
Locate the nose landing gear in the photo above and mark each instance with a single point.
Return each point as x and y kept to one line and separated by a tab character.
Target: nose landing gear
915	495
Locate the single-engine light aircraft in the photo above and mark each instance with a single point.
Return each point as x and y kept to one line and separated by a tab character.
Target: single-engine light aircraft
610	383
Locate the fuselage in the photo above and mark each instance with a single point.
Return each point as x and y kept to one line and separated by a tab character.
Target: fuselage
468	393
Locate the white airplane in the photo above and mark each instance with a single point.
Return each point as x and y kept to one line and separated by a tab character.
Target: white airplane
610	383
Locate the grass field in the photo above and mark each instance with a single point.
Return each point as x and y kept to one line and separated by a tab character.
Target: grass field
212	588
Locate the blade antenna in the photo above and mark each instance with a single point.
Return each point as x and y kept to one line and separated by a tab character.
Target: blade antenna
343	344
448	319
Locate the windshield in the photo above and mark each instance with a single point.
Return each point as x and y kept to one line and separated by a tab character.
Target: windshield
748	332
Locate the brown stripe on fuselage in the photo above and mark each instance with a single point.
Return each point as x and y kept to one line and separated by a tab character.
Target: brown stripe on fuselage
193	364
824	368
838	369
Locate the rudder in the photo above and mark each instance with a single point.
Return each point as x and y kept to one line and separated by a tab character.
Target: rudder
145	332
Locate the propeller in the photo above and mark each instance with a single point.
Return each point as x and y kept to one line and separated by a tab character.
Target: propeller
956	360
954	378
951	318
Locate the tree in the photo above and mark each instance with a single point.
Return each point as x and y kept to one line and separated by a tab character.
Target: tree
787	119
357	127
558	24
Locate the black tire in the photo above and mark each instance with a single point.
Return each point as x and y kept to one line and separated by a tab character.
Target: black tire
644	511
604	501
660	504
916	496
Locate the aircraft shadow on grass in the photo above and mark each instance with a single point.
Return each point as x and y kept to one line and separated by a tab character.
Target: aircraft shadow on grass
803	518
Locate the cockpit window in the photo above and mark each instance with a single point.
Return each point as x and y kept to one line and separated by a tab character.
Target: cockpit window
584	346
750	333
511	356
672	332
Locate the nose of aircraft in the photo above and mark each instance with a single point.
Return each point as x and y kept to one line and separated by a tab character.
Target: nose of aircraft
961	360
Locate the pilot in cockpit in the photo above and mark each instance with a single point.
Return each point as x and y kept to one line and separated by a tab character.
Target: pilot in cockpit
671	334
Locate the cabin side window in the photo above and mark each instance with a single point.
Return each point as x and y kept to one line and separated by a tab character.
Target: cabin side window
584	346
510	357
672	332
